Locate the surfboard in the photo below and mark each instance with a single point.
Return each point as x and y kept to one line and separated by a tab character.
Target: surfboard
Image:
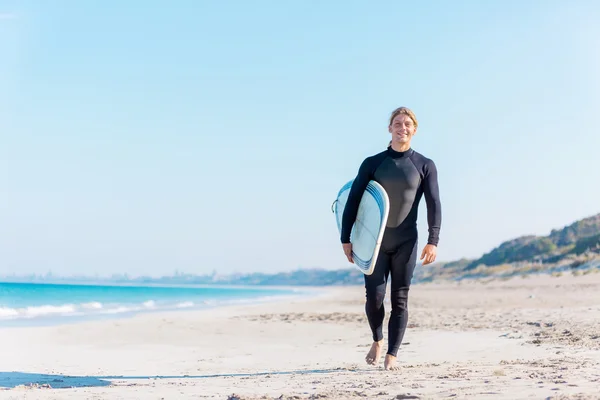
369	227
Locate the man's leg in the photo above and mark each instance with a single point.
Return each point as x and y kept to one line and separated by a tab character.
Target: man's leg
375	292
402	268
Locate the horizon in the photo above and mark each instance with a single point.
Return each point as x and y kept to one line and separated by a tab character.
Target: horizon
135	149
48	276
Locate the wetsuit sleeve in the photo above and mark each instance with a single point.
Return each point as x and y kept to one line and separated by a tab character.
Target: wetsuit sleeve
356	192
432	199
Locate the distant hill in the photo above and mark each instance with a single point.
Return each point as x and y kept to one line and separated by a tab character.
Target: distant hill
585	228
575	239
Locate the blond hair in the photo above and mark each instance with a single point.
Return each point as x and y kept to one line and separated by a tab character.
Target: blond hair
405	111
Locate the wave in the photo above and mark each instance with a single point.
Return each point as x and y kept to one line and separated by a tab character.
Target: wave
65	310
95	308
39	311
92	306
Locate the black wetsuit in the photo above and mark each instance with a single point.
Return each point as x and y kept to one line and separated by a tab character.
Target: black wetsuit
406	177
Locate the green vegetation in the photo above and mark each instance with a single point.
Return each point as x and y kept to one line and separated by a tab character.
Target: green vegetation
577	238
581	229
590	243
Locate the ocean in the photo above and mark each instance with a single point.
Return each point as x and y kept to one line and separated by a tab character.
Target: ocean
44	303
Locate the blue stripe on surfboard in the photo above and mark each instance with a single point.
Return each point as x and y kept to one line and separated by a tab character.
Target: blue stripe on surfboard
378	198
363	264
372	190
345	187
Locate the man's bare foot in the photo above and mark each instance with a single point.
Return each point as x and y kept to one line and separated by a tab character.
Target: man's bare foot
390	363
374	354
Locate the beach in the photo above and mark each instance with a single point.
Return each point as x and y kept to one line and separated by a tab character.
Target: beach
533	337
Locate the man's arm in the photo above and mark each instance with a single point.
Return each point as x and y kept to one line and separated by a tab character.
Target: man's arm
432	199
356	192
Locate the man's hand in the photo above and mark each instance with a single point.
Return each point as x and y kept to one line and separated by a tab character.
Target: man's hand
429	253
348	251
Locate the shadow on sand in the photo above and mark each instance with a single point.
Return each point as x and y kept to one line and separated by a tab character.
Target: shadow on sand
14	379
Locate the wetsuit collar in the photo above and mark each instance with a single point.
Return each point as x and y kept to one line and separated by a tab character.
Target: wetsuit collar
399	154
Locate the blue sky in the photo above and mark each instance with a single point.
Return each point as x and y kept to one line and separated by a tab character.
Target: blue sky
145	137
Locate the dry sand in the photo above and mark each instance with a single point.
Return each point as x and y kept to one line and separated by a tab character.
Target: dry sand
535	338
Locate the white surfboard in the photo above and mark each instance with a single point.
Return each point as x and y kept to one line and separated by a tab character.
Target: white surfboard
367	231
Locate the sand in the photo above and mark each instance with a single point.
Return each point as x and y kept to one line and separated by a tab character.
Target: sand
524	338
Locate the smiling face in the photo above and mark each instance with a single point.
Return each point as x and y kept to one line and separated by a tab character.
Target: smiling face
402	128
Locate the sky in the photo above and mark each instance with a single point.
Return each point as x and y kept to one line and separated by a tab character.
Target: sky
146	137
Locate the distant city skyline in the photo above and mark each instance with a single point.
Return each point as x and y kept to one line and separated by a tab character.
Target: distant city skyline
141	138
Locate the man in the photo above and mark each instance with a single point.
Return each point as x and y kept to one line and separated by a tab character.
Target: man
406	175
